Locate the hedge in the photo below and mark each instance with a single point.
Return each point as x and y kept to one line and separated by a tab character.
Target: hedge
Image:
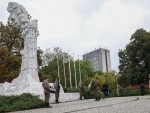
89	94
22	102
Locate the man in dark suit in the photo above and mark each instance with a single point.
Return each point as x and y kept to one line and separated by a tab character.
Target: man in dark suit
46	87
105	90
57	87
142	87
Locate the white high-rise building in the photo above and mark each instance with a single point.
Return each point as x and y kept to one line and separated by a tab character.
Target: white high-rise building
100	59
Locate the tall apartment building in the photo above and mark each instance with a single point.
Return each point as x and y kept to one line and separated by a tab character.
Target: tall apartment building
100	59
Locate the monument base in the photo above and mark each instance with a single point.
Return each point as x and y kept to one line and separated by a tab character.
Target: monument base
28	85
63	97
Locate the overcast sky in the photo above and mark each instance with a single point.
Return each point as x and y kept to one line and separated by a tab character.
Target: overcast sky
83	25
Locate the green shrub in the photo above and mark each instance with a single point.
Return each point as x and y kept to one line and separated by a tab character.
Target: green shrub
21	102
113	94
128	93
133	92
89	93
71	90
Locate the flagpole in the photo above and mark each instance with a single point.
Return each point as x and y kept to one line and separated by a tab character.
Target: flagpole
70	71
75	71
79	68
58	67
64	70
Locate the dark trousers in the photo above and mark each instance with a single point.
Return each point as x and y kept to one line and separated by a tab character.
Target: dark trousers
106	93
142	92
81	93
57	95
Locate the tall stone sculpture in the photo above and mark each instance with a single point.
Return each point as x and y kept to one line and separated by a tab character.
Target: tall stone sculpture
28	80
19	17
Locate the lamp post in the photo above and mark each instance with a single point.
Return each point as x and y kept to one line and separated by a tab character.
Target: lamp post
79	68
75	71
117	85
149	82
64	70
70	71
58	66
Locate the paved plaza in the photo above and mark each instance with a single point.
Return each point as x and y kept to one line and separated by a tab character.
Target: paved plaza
134	104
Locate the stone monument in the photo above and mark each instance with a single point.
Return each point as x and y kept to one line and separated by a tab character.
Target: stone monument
19	17
28	80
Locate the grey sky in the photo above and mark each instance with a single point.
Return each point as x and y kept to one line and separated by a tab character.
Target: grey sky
82	25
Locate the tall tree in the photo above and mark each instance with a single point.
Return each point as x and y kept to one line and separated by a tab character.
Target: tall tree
123	68
135	59
10	58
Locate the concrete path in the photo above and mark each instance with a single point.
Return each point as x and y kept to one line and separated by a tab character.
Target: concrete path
134	104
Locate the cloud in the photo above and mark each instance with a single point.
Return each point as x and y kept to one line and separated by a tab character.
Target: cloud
88	7
80	26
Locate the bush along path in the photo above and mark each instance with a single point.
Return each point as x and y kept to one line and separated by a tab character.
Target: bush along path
21	102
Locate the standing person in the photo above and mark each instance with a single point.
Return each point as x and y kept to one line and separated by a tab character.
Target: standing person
46	91
57	87
142	87
121	91
80	89
105	90
96	89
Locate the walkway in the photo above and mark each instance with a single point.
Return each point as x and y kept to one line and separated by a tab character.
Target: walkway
135	104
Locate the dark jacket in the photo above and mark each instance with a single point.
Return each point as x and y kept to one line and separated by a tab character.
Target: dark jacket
142	87
105	87
56	86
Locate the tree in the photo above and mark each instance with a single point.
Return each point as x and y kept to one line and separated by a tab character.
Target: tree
10	58
9	65
99	72
87	71
135	63
39	59
108	77
39	56
47	56
111	79
50	67
10	38
123	68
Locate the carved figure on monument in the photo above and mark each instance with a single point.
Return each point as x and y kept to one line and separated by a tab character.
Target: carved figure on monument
19	17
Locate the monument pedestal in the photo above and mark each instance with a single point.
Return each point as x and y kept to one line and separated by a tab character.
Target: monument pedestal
63	97
28	85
